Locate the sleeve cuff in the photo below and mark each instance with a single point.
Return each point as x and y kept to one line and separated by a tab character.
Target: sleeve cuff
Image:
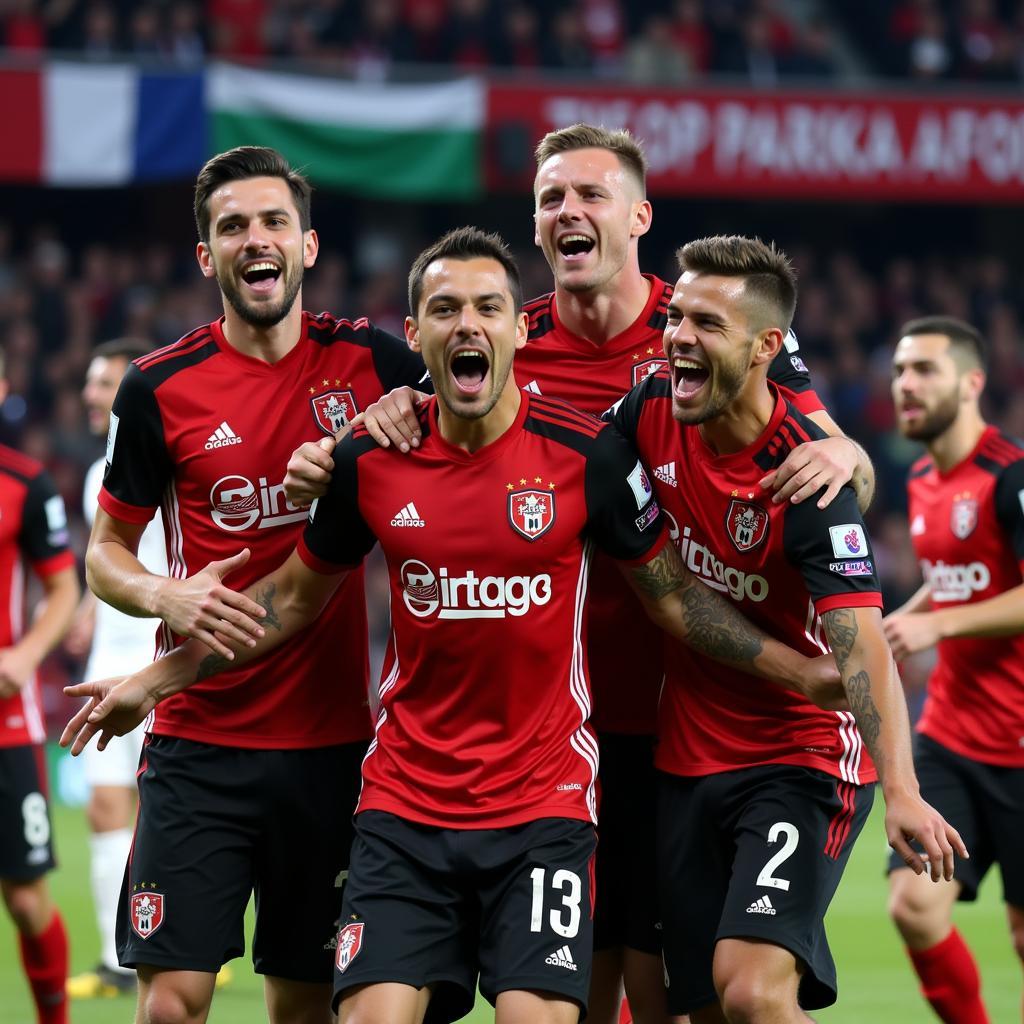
54	564
806	401
652	552
123	511
871	599
320	565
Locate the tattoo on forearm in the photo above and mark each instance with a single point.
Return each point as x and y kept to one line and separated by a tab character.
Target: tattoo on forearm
214	663
841	630
660	576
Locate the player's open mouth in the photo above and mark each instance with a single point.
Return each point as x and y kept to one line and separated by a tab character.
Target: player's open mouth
574	246
261	276
688	377
469	367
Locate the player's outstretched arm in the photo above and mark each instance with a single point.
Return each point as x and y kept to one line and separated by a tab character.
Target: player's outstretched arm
1002	615
693	613
829	462
200	606
291	597
876	699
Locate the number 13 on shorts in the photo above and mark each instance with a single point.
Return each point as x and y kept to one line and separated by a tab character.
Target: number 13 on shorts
560	896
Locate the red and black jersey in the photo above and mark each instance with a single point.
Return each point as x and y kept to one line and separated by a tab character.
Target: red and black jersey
967	528
204	433
484	693
783	565
33	529
593	377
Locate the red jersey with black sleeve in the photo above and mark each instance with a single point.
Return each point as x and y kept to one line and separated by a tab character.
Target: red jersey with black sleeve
783	565
484	692
33	530
555	361
204	433
967	528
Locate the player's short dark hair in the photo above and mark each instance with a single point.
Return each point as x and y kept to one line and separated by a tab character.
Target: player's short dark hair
122	348
466	243
965	341
590	136
769	276
241	163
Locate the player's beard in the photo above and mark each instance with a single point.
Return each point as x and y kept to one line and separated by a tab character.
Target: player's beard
263	314
726	382
937	421
497	387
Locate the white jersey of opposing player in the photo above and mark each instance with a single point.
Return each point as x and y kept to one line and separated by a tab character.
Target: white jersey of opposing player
121	643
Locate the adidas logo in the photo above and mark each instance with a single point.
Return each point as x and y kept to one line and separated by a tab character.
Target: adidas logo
407	516
533	387
762	906
562	958
222	437
667	474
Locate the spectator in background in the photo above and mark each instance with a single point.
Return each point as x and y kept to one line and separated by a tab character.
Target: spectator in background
654	57
100	31
692	35
23	27
184	43
145	32
238	27
812	55
567	47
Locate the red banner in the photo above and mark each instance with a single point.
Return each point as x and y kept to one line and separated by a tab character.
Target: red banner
784	144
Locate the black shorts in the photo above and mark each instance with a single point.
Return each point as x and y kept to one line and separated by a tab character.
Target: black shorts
216	823
437	906
985	804
625	905
26	833
755	853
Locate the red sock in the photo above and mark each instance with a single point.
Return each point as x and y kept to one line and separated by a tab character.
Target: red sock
625	1014
45	957
950	981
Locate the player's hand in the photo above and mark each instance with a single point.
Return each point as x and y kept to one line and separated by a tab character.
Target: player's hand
114	707
16	668
392	419
907	634
829	463
203	608
908	817
822	685
309	470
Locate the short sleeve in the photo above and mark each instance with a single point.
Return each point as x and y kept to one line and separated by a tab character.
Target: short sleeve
397	365
138	466
623	517
831	549
1009	499
337	536
44	527
789	371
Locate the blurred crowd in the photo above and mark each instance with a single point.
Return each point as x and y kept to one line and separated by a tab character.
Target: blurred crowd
660	42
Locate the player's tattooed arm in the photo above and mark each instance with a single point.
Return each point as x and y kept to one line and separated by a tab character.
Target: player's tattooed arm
696	615
263	594
876	700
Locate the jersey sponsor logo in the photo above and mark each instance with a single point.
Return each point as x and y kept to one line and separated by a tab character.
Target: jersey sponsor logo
848	539
407	515
852	567
237	504
111	438
531	513
641	371
955	582
56	521
917	527
650	516
562	958
334	410
703	562
761	906
746	524
147	912
350	942
666	474
469	596
222	437
639	484
963	517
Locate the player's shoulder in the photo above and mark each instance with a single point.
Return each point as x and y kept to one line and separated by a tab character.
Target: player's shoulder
792	430
161	365
539	312
327	329
15	465
999	451
560	421
921	467
360	442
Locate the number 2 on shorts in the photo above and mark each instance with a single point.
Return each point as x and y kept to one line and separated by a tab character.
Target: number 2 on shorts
570	901
792	834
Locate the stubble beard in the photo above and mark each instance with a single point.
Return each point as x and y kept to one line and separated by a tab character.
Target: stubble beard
266	315
936	422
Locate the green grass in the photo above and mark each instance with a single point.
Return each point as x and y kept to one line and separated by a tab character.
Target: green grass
876	984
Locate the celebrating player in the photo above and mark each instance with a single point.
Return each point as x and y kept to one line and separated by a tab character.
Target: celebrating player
761	794
249	782
967	526
475	821
117	644
34	530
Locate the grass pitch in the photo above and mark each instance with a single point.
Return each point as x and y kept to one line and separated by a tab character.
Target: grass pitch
876	983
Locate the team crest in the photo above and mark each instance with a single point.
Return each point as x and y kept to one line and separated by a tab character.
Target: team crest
334	410
746	524
350	941
531	513
641	371
147	912
964	517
